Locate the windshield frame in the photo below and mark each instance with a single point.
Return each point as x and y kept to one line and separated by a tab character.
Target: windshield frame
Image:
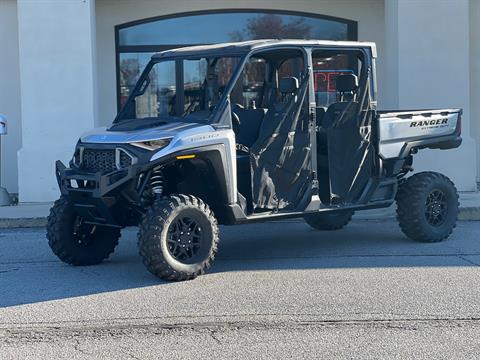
215	114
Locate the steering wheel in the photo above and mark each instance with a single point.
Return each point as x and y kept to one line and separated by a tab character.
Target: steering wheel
236	118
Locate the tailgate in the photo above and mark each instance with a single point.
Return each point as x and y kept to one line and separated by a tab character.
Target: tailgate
400	131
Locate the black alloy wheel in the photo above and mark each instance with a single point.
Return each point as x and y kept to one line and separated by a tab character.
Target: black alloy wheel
427	207
178	237
436	207
185	239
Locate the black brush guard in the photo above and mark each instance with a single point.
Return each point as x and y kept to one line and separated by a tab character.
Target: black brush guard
93	195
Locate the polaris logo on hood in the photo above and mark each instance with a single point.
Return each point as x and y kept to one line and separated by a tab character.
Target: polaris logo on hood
443	121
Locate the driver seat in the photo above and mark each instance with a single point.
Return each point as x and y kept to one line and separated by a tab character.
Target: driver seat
263	130
250	122
288	87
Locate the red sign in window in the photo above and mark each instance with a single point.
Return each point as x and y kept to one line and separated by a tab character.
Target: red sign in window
324	80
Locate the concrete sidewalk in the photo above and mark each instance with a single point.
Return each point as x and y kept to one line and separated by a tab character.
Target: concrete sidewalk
469	209
24	215
35	214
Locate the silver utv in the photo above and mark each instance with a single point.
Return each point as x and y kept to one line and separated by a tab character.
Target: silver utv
243	132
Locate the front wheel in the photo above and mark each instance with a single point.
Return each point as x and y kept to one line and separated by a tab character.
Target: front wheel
178	238
427	207
76	242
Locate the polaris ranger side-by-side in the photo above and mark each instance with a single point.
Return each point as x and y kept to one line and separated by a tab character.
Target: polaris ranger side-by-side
242	132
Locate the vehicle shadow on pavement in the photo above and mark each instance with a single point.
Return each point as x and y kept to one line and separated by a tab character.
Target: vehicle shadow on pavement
30	273
362	244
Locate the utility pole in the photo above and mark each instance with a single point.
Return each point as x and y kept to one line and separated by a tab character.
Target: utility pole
4	197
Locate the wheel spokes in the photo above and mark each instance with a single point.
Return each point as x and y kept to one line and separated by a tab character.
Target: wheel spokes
436	207
184	238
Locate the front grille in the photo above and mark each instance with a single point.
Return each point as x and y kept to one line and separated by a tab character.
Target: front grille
104	160
94	160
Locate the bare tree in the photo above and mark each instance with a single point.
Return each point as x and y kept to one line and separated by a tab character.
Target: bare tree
271	26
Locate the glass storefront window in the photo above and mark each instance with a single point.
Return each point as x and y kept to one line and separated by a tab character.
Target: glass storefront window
326	67
158	93
225	27
203	88
137	41
131	66
163	93
249	87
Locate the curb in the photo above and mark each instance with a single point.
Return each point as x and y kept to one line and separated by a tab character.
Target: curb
465	214
469	214
23	223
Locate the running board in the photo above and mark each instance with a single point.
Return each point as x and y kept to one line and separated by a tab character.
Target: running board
297	214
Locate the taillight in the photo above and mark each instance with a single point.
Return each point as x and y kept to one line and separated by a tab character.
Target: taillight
458	129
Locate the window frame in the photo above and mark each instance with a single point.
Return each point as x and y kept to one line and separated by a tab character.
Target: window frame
368	63
179	82
352	32
340	51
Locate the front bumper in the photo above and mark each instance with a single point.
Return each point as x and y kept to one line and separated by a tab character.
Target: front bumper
94	195
108	198
71	181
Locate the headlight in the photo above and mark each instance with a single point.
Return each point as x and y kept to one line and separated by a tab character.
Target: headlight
153	144
77	155
76	158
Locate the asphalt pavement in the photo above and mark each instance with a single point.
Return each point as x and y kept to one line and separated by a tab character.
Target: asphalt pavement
276	290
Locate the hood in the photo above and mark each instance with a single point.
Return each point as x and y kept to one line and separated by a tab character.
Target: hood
120	134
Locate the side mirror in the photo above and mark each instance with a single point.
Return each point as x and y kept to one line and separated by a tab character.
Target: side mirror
3	125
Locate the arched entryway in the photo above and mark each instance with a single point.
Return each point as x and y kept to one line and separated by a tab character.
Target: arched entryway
137	41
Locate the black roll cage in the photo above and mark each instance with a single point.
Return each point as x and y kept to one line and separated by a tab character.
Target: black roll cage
244	56
179	81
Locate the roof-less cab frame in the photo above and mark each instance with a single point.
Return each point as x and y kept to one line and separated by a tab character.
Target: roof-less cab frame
244	135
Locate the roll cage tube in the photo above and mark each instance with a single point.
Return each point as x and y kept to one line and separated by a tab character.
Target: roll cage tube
126	108
128	111
218	120
216	116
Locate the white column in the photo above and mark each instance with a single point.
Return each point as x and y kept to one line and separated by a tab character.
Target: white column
475	76
9	94
428	67
57	78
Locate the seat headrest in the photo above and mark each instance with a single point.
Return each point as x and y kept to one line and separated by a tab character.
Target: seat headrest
288	85
346	82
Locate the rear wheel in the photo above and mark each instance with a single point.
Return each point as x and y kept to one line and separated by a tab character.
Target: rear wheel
427	207
329	221
178	238
75	242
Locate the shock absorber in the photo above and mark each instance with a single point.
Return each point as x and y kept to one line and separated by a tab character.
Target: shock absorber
153	187
157	182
